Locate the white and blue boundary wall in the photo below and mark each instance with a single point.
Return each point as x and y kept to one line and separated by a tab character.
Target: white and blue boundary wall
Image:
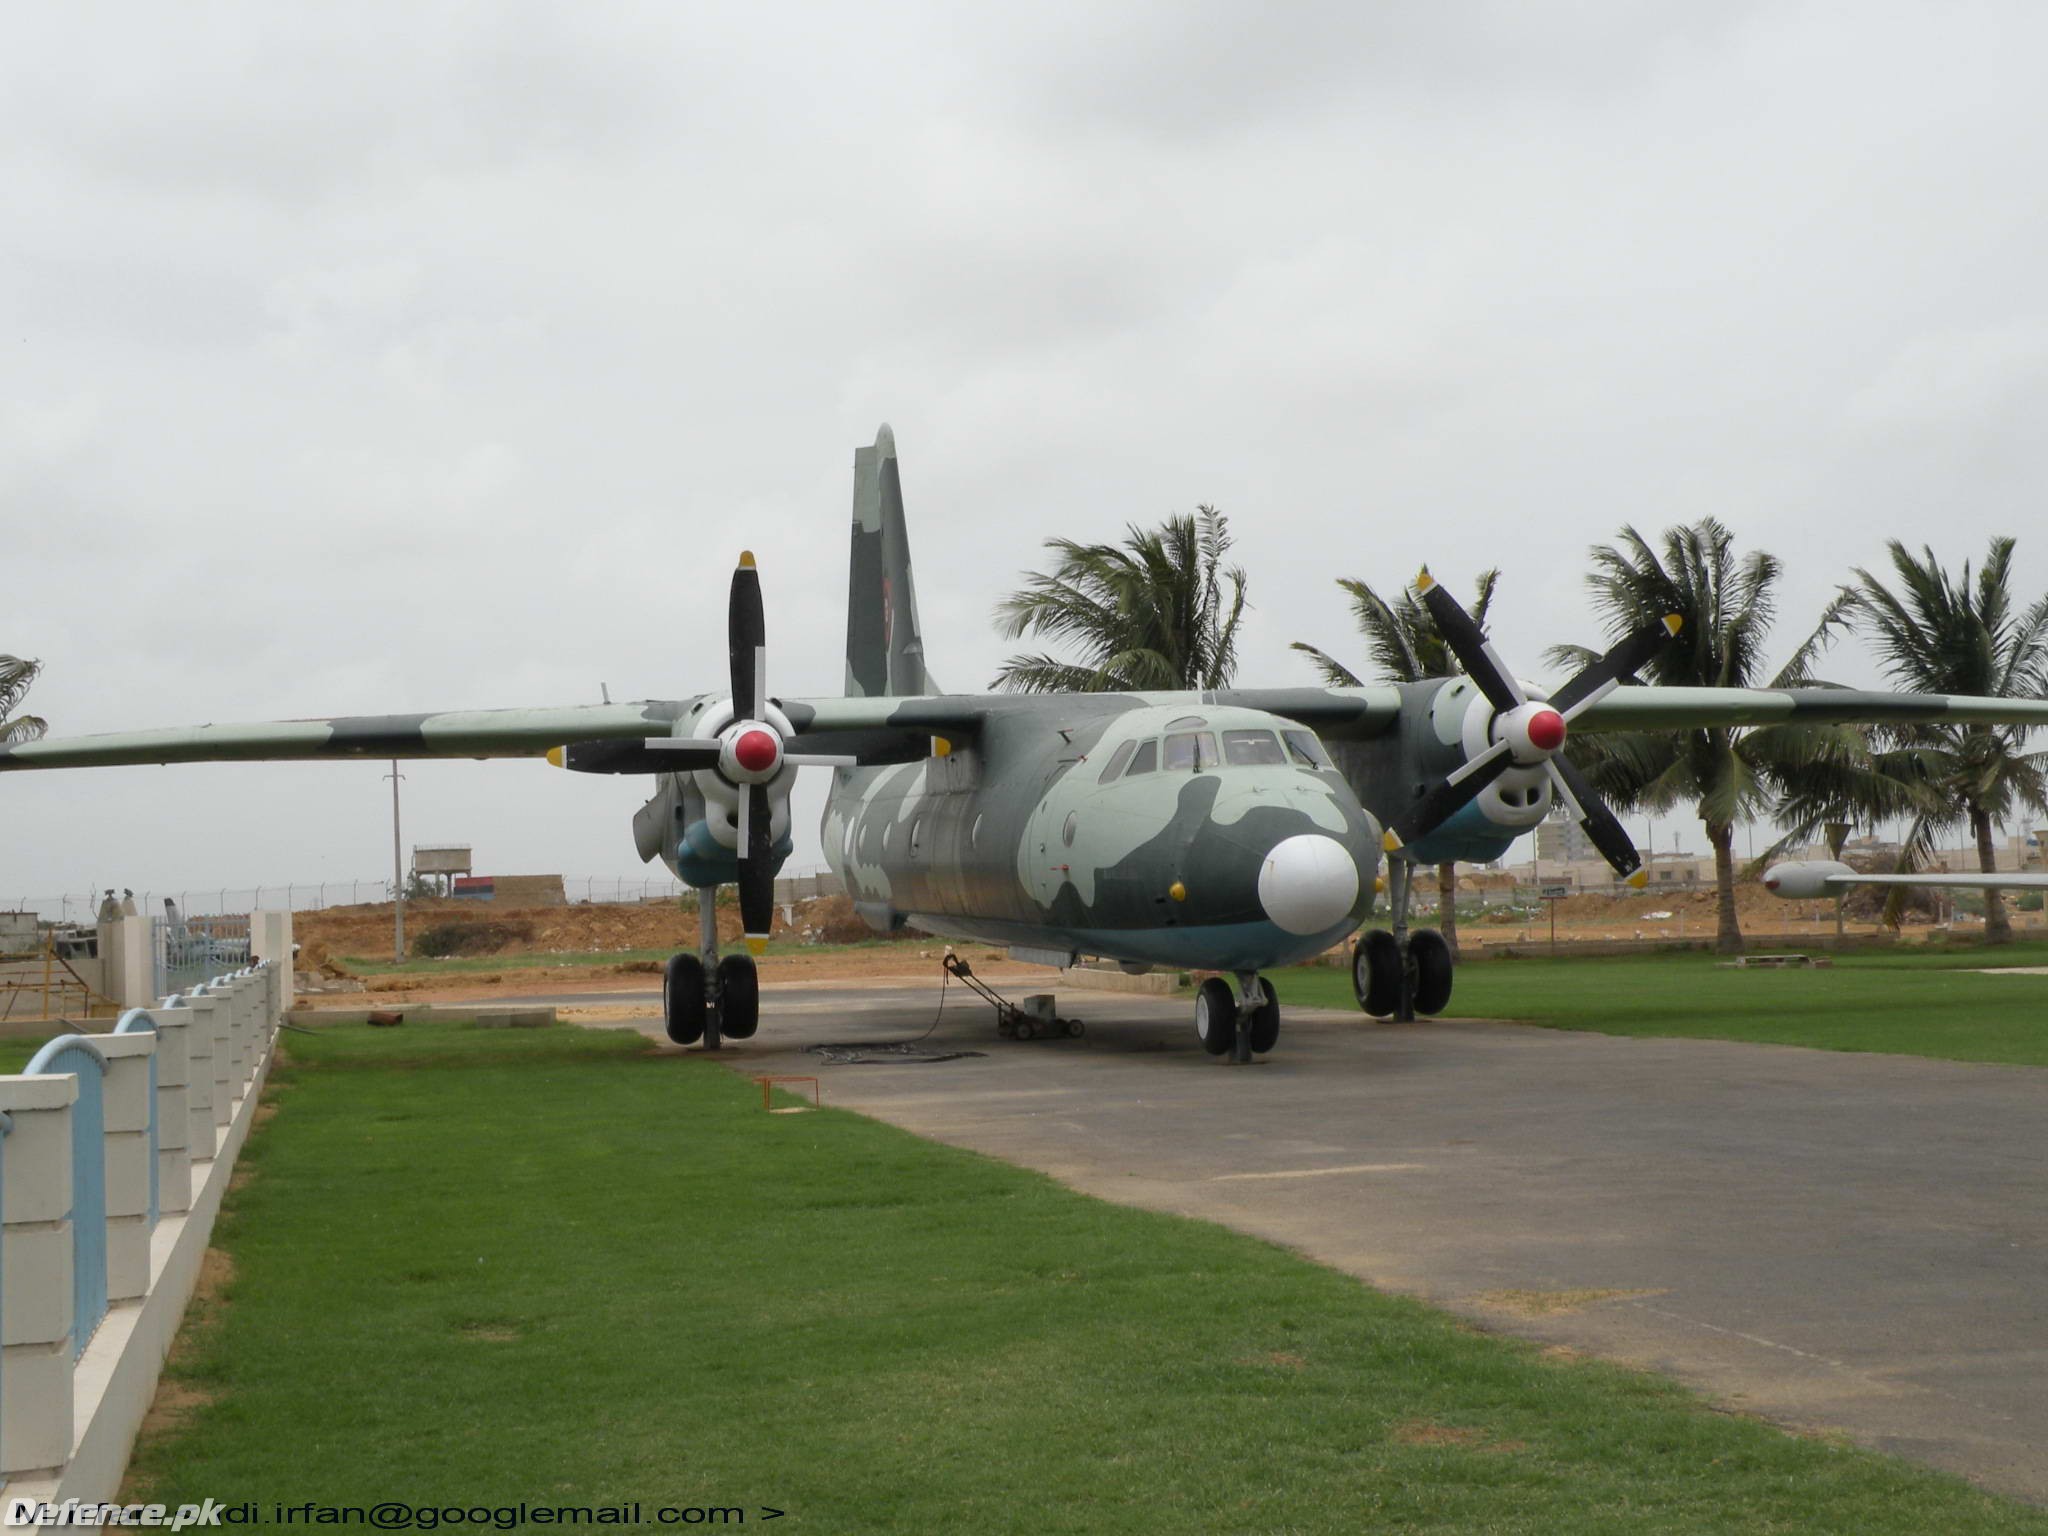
115	1151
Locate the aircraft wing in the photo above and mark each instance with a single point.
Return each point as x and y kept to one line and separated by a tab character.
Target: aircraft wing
460	733
1665	709
478	733
1349	713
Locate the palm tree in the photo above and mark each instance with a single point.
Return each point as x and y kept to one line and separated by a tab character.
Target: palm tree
16	678
1728	605
1405	647
1937	635
1151	614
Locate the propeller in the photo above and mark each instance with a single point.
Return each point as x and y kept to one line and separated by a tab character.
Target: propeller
749	753
1528	734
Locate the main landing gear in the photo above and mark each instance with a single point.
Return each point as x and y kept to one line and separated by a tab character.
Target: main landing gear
1241	1016
1401	974
704	997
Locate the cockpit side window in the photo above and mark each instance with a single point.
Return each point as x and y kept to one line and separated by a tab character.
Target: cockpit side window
1116	763
1304	749
1146	760
1190	749
1248	749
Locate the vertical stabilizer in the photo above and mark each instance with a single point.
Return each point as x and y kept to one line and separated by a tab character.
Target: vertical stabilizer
884	647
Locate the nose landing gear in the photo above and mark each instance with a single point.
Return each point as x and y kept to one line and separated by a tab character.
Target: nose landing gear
1242	1019
708	998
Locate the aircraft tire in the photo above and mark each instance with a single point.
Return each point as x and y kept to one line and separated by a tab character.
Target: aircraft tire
1264	1028
1216	1015
682	999
1376	973
739	997
1430	955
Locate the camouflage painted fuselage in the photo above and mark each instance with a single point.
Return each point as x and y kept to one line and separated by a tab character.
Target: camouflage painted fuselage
1015	838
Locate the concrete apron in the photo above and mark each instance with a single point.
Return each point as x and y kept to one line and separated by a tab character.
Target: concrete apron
1831	1240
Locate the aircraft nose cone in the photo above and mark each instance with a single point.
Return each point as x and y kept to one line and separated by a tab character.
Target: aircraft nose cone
1308	883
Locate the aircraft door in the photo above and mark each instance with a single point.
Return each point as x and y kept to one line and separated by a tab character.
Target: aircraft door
1045	862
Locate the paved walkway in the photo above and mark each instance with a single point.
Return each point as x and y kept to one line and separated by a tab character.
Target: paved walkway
1833	1240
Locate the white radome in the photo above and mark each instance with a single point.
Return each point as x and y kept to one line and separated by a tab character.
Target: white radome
1308	883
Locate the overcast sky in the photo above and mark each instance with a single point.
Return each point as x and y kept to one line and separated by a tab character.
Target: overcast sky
402	357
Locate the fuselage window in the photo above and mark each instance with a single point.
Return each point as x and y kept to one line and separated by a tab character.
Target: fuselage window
1190	749
1303	747
1147	758
1248	749
1116	763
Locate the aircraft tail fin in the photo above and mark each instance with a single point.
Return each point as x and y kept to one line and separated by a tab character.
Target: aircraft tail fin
884	647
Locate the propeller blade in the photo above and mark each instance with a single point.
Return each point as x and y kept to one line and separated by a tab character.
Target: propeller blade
1474	654
1602	676
757	867
747	635
1601	824
821	759
1446	799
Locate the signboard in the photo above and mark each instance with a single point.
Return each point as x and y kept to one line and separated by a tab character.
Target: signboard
441	859
1554	892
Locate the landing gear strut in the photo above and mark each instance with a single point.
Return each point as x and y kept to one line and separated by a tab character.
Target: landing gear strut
706	997
1242	1019
1401	973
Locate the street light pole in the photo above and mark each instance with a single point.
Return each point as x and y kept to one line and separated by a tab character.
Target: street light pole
397	875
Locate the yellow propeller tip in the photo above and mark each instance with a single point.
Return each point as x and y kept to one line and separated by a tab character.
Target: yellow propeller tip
746	559
1638	880
1424	581
559	756
757	945
1392	841
1674	623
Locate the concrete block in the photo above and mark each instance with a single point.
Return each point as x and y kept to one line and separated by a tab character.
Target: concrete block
173	1117
270	937
127	1257
37	1164
172	1025
35	1407
127	1173
125	1106
36	1264
173	1180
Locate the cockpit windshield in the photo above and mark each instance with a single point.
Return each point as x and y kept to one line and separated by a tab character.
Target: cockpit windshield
1303	748
1251	748
1190	749
1187	751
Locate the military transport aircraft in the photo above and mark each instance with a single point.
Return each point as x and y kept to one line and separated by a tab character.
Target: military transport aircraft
1197	830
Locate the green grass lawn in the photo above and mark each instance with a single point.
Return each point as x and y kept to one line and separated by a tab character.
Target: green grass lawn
553	1265
1920	1003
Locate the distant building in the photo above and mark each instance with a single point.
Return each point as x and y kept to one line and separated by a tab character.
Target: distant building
1561	840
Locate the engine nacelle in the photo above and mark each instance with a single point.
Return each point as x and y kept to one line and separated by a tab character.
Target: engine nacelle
1804	879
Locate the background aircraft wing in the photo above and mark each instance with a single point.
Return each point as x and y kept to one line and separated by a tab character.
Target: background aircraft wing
458	733
2012	880
1665	709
